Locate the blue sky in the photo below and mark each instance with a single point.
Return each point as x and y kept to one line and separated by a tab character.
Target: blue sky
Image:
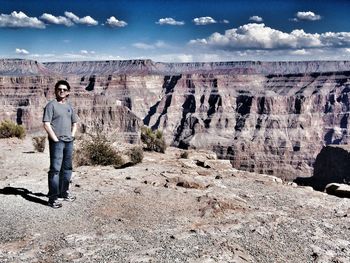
175	31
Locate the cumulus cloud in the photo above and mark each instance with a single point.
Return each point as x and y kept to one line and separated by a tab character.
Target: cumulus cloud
21	51
311	16
114	22
204	20
170	21
259	36
225	21
256	19
20	20
86	20
58	20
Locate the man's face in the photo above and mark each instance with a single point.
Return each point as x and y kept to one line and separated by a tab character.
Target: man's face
62	91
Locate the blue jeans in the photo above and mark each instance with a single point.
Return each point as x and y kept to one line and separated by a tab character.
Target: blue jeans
60	173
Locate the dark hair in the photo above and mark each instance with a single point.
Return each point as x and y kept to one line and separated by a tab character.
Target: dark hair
62	82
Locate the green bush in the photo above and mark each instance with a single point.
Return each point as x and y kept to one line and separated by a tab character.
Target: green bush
9	129
136	155
154	140
39	143
97	150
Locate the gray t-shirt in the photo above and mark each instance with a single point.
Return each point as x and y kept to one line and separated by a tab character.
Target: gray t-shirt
61	117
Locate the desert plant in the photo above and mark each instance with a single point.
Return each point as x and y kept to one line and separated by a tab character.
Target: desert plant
39	143
97	150
9	129
154	140
136	155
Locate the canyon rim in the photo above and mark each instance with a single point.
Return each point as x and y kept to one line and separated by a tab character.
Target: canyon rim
266	117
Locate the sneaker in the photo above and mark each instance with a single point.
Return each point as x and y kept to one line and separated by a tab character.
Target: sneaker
55	204
68	198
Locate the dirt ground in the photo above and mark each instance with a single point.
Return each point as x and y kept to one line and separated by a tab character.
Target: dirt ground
165	209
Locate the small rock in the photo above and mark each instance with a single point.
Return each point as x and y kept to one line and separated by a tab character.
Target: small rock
137	190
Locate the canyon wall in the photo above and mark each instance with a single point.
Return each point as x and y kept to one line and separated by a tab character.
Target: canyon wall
267	117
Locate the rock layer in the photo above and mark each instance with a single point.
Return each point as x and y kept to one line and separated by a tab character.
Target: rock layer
266	117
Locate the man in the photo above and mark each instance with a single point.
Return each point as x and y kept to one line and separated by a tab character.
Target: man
60	123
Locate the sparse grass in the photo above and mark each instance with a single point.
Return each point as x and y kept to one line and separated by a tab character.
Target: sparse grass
9	129
39	143
97	150
154	140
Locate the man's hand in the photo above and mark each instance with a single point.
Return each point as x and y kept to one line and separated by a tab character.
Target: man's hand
50	132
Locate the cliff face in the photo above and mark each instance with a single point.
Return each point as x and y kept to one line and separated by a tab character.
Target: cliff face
23	100
267	117
273	124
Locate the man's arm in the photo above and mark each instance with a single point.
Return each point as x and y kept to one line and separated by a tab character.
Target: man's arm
74	128
50	132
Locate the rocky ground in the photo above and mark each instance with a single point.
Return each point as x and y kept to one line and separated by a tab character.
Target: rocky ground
166	209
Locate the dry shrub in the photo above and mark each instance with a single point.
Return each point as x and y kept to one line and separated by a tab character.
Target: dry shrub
184	155
97	150
39	143
9	129
154	140
136	155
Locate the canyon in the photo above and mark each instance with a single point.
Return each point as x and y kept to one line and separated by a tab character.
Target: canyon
266	117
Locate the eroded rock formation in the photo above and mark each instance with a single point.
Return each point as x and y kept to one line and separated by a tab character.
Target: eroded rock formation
267	117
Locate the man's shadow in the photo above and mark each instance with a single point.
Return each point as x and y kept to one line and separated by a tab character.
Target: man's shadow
26	194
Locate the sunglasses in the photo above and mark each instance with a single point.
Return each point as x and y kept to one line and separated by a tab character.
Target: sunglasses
62	90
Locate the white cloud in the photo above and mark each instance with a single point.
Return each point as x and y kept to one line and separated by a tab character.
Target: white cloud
86	52
21	51
86	20
300	52
41	56
205	20
58	20
259	36
256	19
92	56
311	16
225	21
170	21
143	46
20	20
158	44
113	22
173	57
